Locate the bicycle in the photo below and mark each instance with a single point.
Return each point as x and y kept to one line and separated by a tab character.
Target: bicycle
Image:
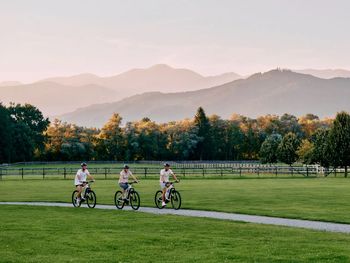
171	195
132	196
89	196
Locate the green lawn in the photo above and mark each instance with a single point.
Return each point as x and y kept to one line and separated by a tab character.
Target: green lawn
47	234
326	199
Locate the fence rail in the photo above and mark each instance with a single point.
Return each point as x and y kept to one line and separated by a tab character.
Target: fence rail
184	170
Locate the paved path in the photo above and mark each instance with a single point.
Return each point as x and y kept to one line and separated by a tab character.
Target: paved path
316	225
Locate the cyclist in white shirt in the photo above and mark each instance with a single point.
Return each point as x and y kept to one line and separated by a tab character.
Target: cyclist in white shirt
80	179
124	179
164	180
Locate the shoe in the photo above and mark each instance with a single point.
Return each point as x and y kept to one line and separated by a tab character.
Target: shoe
77	201
83	199
163	204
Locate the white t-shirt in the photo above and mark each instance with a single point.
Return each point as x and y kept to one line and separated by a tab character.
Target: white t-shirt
80	177
124	176
164	175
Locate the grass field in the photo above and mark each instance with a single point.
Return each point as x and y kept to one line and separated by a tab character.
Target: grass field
40	234
325	199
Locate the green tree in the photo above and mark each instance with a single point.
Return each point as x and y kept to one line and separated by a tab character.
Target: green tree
339	141
287	149
203	149
182	140
321	149
33	118
235	141
268	150
6	130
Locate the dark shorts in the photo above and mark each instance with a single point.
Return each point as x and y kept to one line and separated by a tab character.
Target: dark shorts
124	185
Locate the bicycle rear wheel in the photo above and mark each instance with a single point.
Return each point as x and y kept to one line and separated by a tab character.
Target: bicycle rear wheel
158	199
135	200
118	200
74	199
175	199
91	199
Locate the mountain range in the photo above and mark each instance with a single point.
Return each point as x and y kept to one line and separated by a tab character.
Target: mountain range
56	96
326	73
273	92
164	93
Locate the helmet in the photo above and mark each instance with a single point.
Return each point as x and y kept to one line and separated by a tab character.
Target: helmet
83	164
166	165
126	166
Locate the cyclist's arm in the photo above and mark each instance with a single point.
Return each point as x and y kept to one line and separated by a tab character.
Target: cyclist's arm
174	176
134	177
120	177
91	177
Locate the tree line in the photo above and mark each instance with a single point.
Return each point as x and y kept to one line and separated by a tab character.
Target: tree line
26	135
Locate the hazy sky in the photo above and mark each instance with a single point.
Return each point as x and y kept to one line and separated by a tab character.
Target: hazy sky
41	38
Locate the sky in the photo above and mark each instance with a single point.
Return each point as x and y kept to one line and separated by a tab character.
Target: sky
40	38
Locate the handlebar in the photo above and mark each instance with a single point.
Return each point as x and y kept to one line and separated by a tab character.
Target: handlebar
89	182
174	182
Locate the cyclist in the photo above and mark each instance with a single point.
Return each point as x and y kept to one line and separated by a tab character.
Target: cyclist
164	180
80	180
124	180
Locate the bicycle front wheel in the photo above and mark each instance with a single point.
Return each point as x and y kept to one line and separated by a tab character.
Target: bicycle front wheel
175	199
91	199
118	200
74	199
158	199
135	200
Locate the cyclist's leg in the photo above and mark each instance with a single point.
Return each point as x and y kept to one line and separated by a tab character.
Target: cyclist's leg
163	193
123	187
79	189
163	189
83	190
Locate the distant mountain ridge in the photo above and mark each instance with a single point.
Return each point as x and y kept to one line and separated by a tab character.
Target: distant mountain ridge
326	73
273	92
10	83
55	96
159	77
51	97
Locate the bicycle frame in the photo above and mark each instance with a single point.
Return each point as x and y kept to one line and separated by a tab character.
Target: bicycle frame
86	188
130	189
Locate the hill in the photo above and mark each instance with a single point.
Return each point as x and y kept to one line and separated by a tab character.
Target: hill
326	73
274	92
58	95
54	99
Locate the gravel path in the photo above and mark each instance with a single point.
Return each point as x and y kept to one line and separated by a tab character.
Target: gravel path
316	225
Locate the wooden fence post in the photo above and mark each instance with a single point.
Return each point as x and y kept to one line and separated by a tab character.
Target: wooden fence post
22	172
146	172
276	170
43	173
105	173
64	173
203	172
